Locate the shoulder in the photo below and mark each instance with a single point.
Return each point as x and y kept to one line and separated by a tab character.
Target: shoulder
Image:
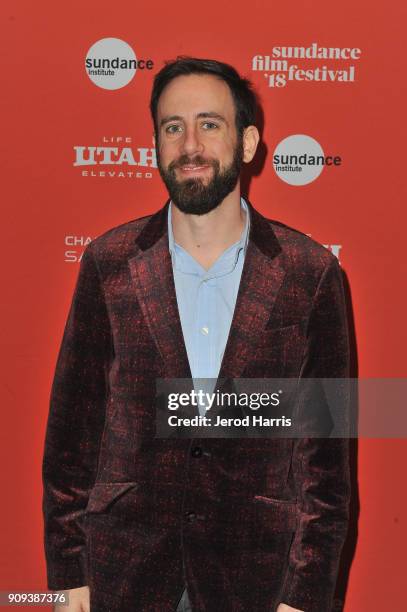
298	250
118	243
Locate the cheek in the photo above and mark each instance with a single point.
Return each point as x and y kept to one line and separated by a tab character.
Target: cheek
223	151
167	153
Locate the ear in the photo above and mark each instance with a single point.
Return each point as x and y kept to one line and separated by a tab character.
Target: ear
251	139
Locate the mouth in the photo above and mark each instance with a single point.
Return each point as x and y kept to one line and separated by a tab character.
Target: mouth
193	169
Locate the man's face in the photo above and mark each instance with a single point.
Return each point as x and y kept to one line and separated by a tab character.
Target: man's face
199	153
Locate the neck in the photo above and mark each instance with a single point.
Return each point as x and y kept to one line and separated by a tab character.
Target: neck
205	237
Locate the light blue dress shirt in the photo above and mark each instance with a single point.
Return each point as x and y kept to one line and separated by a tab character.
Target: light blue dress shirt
206	300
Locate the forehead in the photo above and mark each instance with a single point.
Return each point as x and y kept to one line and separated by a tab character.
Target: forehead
192	94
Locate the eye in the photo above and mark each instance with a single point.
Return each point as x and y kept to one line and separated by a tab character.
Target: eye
209	125
173	128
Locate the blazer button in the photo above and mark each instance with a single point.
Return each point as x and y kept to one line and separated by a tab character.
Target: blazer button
196	451
191	517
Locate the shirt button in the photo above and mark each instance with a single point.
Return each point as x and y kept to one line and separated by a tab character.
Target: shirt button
196	451
204	331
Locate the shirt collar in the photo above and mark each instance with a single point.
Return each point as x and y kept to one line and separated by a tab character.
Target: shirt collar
230	255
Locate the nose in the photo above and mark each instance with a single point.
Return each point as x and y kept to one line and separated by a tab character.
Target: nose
191	144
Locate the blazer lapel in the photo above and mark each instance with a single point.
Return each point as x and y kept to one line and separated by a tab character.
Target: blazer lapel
151	271
261	280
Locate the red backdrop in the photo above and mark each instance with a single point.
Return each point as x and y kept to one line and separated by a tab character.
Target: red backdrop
50	209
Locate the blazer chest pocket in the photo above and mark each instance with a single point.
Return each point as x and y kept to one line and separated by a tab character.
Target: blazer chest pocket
280	350
106	495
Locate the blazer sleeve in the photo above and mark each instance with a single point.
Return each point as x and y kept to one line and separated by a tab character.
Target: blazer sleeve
74	428
321	465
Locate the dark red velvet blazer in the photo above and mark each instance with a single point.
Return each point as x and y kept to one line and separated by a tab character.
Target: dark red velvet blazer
246	523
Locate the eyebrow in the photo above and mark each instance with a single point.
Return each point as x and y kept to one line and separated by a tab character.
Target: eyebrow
204	115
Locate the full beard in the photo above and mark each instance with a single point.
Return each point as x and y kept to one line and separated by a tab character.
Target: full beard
193	196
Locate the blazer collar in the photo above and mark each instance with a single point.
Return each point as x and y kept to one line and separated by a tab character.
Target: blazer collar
260	233
261	280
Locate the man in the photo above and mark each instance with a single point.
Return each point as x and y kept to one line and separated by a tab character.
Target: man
204	287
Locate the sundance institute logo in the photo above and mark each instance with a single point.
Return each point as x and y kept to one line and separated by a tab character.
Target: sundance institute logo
111	63
299	160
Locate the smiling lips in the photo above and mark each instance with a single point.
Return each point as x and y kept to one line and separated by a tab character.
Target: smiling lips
190	169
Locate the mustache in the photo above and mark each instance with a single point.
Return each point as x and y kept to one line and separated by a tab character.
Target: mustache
198	160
